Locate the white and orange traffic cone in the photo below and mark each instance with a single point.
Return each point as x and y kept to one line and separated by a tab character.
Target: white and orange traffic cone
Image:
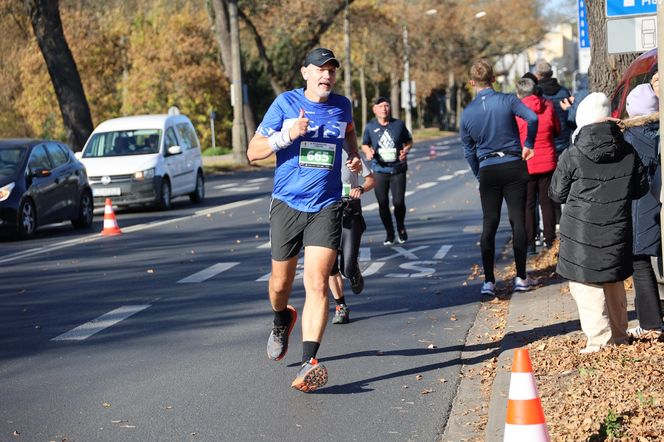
110	223
525	416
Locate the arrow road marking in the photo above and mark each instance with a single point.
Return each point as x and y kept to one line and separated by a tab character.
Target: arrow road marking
208	273
104	321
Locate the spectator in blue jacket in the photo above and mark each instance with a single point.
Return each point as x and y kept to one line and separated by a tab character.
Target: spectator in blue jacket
492	147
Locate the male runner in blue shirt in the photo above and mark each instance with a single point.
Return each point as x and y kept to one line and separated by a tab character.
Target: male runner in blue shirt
306	129
492	147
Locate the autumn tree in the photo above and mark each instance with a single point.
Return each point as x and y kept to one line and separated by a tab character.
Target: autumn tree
605	69
45	19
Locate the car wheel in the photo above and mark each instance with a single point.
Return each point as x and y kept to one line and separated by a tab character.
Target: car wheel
85	212
164	202
27	219
198	194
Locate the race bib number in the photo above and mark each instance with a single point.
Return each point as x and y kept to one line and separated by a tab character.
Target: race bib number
345	191
389	155
317	155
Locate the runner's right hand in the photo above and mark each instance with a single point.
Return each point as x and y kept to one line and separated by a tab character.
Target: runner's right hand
300	128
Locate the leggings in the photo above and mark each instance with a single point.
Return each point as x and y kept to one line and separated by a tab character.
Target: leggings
353	226
497	182
397	183
538	186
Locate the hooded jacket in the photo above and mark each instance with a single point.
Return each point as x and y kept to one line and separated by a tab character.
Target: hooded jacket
644	138
553	91
548	127
597	178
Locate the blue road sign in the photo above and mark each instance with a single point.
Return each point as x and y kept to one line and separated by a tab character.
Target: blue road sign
621	8
584	41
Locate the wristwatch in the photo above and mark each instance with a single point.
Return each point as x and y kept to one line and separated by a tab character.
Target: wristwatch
361	189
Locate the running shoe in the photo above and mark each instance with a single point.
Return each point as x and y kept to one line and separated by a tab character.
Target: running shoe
489	288
388	241
311	376
341	315
357	282
523	285
277	343
402	236
638	332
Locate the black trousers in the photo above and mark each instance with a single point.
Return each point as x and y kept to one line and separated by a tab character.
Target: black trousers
646	294
538	188
353	226
497	182
397	184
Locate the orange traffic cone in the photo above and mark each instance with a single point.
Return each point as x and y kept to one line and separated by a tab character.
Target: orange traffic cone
110	223
525	417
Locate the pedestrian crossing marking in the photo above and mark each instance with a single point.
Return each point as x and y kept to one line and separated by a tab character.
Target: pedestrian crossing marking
208	273
104	321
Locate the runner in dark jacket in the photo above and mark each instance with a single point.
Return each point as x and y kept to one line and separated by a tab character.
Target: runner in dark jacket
553	91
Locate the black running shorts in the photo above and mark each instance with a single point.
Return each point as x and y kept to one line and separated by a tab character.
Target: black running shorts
291	229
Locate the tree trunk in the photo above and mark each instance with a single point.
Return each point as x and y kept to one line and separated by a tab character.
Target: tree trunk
395	94
363	98
47	26
218	9
605	69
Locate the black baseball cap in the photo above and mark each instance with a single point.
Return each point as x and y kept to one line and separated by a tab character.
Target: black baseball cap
320	56
381	100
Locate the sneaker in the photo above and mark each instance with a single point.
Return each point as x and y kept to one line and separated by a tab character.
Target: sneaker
489	288
388	241
357	282
638	332
523	285
277	343
311	376
402	236
341	315
532	250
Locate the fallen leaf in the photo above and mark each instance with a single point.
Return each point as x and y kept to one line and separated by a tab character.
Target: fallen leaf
418	377
106	405
150	271
427	391
453	318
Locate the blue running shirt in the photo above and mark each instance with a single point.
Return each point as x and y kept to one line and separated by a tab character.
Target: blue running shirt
308	173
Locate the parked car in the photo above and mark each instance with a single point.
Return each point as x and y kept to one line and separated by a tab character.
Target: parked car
637	73
41	182
145	159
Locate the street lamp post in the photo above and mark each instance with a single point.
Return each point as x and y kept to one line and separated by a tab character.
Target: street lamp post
406	79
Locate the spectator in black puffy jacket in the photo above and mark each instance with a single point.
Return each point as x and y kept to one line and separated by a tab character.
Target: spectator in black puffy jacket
642	132
597	178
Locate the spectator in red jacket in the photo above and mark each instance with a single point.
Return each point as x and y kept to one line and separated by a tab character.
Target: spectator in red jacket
542	165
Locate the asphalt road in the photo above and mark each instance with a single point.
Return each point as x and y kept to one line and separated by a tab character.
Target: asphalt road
159	334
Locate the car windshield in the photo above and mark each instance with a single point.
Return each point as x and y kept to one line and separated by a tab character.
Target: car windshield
122	143
10	159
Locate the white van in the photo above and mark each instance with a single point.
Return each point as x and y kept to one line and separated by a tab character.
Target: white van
144	159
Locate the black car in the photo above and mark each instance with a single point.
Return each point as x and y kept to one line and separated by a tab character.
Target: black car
41	182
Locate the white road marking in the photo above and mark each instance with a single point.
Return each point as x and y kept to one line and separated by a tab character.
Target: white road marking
409	193
365	254
264	245
446	177
426	185
408	254
246	189
369	207
461	172
472	229
135	228
440	254
373	268
225	186
257	180
208	273
104	321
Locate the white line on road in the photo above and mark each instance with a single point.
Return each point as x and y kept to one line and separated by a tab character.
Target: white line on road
472	229
426	185
440	254
225	186
135	228
373	268
246	189
104	321
208	273
257	180
365	254
264	246
446	177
